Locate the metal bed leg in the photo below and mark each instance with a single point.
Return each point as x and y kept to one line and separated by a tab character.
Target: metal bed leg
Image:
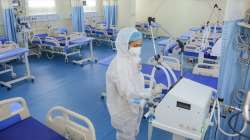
8	68
66	59
91	58
150	130
27	76
27	65
103	95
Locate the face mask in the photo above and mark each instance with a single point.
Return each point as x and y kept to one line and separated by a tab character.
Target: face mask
135	51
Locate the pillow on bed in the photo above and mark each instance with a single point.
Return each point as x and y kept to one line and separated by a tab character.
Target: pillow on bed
9	122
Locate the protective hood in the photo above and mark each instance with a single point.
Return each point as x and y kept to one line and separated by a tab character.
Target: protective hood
122	41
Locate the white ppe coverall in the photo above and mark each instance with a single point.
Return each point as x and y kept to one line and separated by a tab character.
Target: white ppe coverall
124	82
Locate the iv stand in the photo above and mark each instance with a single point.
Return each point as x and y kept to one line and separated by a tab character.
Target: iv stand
157	56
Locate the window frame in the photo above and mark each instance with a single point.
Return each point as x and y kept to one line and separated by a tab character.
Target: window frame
94	10
30	10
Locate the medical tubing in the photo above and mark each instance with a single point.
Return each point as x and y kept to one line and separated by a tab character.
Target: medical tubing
168	77
213	111
171	72
231	127
236	99
239	100
219	123
152	78
166	74
241	41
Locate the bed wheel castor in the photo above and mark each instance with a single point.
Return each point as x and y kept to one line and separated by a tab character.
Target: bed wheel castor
102	97
66	61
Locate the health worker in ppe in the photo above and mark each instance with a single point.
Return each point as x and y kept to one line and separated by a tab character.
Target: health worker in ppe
124	83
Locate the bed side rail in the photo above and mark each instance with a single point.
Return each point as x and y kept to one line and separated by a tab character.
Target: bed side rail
63	121
7	111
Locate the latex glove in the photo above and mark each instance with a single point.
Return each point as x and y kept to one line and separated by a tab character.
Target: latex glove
138	101
157	89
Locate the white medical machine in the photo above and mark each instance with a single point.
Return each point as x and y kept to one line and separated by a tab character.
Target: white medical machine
189	109
184	111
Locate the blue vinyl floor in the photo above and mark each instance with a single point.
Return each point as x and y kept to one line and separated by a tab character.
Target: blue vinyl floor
74	87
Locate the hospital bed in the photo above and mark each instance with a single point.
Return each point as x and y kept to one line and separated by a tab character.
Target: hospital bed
35	40
170	46
89	30
61	31
201	68
195	50
108	32
102	34
53	45
194	33
66	46
3	39
107	35
211	70
160	77
5	67
9	52
16	123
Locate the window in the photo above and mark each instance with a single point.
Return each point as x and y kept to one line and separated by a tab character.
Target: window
41	7
90	6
